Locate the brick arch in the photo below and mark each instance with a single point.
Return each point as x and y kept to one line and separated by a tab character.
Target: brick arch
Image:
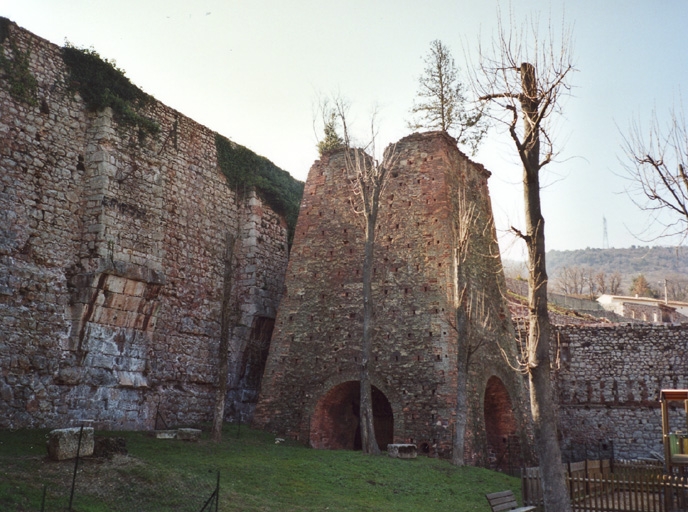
501	427
334	423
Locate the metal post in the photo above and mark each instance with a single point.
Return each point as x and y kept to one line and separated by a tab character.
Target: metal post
76	465
217	493
666	295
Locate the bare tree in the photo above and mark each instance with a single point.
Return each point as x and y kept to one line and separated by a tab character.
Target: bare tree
657	167
581	282
615	283
602	282
227	319
368	176
676	287
526	77
570	280
589	283
472	322
441	101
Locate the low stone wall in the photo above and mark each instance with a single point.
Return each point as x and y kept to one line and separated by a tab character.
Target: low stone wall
608	381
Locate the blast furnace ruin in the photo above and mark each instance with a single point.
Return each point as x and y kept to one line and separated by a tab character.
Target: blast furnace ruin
423	273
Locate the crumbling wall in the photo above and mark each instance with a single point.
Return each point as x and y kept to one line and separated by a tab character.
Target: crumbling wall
112	256
608	381
316	344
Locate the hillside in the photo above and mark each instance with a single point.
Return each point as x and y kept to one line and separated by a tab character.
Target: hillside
660	261
655	263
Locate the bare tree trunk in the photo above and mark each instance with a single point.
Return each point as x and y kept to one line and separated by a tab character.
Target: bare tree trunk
463	356
368	177
223	357
368	441
555	492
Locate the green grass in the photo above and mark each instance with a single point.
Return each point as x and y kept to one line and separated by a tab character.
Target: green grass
255	475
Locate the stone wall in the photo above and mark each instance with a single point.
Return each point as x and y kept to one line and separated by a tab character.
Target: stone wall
310	385
608	381
113	256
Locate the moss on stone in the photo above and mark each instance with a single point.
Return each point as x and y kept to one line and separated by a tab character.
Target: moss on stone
22	85
101	84
244	169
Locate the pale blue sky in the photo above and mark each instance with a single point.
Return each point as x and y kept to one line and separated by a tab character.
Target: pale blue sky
251	70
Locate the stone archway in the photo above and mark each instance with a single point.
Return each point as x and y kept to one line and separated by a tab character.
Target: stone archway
335	420
503	444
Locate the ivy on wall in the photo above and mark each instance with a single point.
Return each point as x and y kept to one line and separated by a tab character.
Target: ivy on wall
23	86
102	84
244	170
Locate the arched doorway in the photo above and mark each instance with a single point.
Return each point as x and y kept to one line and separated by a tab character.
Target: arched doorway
335	424
504	449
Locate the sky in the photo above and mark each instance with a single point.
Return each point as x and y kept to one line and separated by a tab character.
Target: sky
253	71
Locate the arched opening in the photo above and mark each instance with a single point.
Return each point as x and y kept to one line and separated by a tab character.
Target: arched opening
335	424
504	450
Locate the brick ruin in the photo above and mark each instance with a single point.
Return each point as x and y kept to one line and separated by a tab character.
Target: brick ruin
112	256
310	385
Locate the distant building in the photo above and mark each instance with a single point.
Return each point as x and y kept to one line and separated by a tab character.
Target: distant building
646	309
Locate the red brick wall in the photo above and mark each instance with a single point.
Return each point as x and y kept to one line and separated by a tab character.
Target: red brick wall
315	345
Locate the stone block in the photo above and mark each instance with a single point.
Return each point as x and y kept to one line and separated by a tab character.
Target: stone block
64	442
402	451
107	447
165	434
189	434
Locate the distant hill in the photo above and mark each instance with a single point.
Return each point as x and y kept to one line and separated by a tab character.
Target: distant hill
633	260
655	263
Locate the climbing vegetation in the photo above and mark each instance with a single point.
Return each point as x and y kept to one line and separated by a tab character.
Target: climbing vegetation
102	84
244	170
14	68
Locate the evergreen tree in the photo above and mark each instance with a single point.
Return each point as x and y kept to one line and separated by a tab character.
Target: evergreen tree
441	101
331	140
641	287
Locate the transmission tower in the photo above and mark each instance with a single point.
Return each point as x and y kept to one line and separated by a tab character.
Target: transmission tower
605	237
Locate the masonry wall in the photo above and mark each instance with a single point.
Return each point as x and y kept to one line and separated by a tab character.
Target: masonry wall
608	381
314	358
113	254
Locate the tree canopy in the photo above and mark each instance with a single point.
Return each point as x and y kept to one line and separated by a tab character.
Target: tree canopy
441	102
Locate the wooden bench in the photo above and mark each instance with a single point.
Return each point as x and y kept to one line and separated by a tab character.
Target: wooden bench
505	500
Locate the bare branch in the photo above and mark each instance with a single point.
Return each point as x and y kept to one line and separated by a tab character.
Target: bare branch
655	166
525	80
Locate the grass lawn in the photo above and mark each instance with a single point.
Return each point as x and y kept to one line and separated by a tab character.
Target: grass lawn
255	475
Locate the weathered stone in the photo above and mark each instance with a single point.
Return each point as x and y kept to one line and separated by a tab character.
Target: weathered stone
165	434
109	446
101	258
188	434
608	380
63	443
402	451
310	388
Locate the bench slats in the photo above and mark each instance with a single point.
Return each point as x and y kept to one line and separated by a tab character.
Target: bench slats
505	500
